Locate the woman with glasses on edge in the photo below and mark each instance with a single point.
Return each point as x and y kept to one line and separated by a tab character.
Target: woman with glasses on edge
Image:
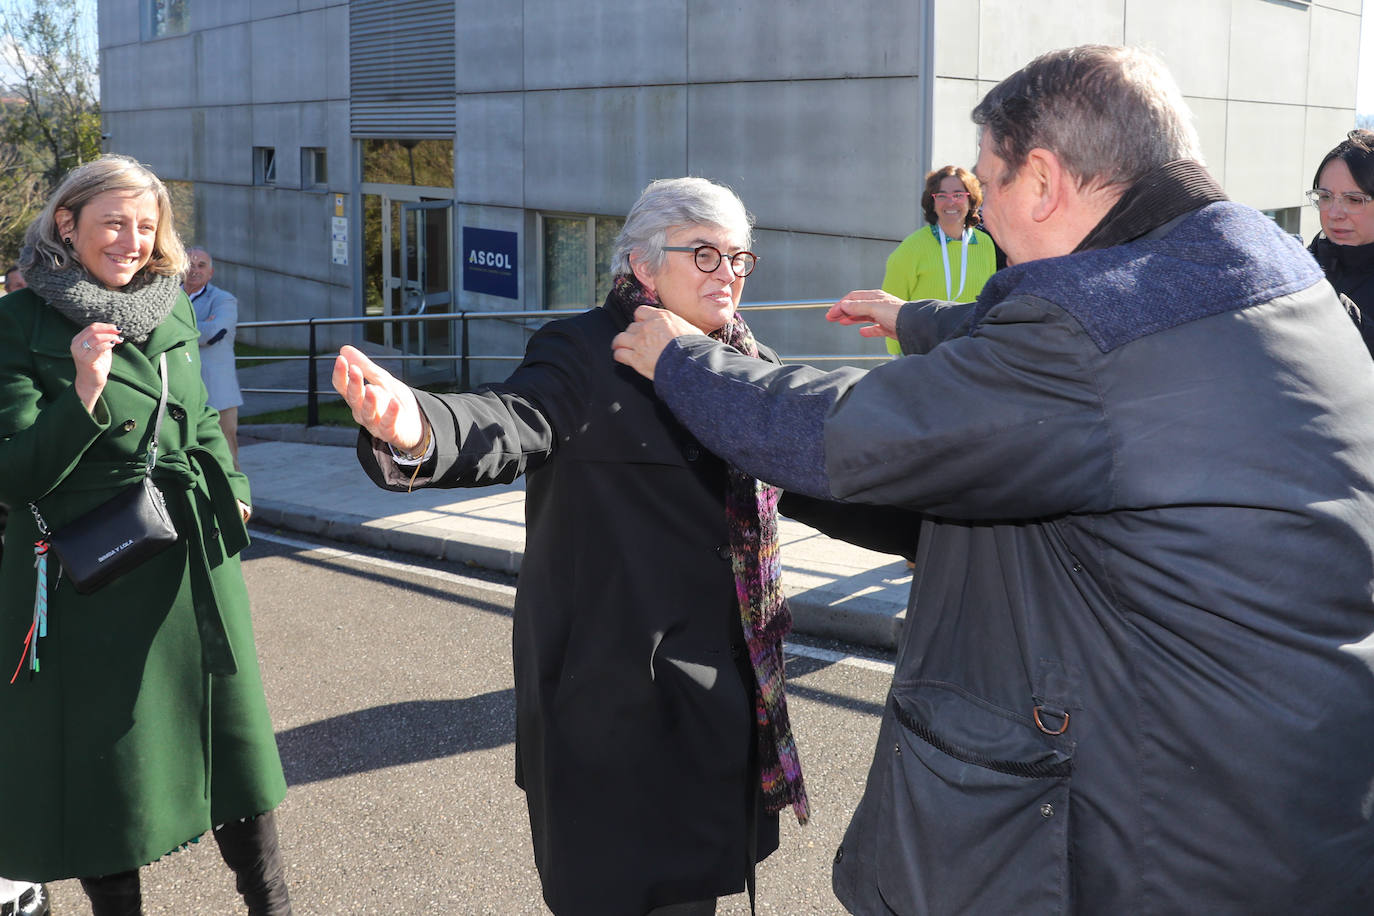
1341	192
948	258
652	736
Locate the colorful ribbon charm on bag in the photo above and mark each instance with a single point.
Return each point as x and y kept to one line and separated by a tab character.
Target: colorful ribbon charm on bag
39	627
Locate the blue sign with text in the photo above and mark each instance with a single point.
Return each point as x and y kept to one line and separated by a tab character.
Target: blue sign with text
490	262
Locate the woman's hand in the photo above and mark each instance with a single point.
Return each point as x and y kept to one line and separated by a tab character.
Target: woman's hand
873	308
381	403
91	353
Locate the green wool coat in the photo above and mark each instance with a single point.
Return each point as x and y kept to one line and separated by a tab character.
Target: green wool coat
146	724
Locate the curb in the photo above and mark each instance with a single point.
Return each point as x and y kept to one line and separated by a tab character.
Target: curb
817	612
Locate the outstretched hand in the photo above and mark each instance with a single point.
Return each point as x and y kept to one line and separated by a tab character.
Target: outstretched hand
641	344
381	403
872	308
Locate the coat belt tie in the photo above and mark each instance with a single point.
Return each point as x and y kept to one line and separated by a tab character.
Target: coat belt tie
217	532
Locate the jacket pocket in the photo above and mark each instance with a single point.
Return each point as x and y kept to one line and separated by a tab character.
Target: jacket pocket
977	806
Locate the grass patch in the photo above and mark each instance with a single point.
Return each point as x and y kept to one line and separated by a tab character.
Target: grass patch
332	413
242	350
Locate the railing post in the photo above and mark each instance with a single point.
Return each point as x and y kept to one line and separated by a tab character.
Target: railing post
466	380
312	398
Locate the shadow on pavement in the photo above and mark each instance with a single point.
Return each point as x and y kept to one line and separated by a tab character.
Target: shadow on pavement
396	734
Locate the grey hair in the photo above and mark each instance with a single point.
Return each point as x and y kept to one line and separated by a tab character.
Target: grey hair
1110	113
111	172
671	202
201	248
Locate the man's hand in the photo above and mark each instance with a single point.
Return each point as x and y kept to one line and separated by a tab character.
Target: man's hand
641	344
873	308
381	403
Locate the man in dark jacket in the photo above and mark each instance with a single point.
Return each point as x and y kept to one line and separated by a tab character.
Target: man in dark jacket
1136	672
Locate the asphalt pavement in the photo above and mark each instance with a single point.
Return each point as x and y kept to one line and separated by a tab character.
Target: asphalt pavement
308	480
390	685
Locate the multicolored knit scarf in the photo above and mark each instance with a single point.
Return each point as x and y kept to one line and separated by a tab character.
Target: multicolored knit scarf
752	517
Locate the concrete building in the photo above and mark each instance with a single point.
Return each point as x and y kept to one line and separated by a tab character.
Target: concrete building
376	156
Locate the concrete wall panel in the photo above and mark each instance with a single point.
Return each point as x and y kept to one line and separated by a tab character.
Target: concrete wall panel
165	78
1261	68
1333	60
808	156
1349	6
1011	32
118	22
119	78
593	151
956	136
490	149
956	38
833	39
220	147
220	13
223	65
1274	178
617	42
1209	118
491	46
281	70
1196	53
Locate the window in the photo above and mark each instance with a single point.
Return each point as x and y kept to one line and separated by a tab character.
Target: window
183	196
166	17
1288	218
314	168
576	259
265	165
418	163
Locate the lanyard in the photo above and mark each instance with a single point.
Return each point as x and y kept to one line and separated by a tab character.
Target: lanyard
951	296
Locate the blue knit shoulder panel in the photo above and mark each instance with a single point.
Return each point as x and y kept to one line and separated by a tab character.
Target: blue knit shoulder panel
1221	258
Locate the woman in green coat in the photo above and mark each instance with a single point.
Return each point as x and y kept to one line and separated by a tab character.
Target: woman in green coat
142	706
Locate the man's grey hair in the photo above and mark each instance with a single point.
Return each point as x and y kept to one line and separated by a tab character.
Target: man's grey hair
1111	114
671	202
203	250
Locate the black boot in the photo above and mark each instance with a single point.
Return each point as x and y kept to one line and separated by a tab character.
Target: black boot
249	847
114	895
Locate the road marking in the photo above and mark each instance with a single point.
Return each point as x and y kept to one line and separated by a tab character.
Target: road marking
334	553
838	658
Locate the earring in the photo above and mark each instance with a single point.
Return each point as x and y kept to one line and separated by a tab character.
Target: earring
67	240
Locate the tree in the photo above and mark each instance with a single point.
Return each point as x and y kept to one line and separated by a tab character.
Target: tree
50	116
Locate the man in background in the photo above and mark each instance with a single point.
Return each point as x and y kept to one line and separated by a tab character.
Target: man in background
217	314
14	279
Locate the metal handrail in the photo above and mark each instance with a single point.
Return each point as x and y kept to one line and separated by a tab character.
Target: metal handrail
312	410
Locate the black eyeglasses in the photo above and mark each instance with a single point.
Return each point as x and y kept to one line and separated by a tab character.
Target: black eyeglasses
708	258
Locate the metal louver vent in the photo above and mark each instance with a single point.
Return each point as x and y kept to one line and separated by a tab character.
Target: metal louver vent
402	65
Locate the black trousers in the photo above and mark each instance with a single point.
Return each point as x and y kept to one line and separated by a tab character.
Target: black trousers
249	847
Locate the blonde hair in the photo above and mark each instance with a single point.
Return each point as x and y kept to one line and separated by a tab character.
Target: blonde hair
111	172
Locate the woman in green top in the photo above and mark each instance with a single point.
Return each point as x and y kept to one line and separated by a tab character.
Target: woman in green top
948	258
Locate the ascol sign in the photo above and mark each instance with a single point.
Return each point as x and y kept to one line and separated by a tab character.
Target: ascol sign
490	262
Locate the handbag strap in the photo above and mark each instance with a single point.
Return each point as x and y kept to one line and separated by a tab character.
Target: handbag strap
152	444
161	411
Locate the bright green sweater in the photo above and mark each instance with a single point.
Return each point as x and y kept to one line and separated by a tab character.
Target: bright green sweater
915	269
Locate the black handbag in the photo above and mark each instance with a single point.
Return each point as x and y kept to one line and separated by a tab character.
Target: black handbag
121	533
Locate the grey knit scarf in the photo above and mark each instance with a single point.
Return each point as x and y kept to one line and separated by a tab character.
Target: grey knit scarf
135	309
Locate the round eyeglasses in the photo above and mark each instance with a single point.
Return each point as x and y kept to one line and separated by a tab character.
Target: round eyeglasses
707	258
1322	199
950	195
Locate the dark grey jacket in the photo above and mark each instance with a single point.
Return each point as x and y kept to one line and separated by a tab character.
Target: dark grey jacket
1136	672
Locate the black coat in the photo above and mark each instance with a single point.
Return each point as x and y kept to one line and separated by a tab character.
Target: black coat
1350	270
634	696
